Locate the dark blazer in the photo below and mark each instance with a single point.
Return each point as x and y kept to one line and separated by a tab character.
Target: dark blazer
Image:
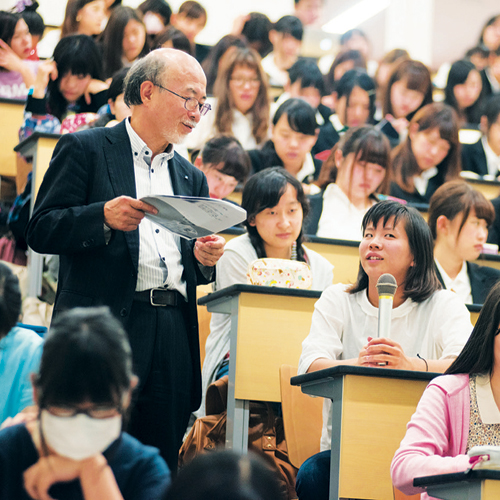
327	138
88	169
474	158
482	280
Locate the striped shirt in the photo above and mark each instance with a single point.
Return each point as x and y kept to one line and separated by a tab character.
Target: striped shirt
159	249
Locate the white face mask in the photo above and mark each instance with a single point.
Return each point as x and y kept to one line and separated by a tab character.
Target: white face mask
81	436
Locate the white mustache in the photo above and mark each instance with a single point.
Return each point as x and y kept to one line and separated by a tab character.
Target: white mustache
191	124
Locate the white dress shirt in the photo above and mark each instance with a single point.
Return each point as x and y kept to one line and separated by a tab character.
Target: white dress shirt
460	285
159	250
422	181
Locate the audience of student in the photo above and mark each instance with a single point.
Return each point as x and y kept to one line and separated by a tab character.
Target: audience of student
429	156
172	38
459	218
76	448
305	81
286	37
429	326
36	26
463	92
240	106
226	475
190	19
62	85
20	350
123	40
211	65
483	156
293	135
276	208
457	411
354	97
256	31
355	171
409	88
17	73
225	164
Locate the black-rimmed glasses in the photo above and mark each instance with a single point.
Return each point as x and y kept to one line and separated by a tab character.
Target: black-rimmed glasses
190	103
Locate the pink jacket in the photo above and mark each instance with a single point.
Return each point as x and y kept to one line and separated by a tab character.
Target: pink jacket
436	437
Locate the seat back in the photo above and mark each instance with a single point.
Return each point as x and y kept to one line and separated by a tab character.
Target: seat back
302	419
204	318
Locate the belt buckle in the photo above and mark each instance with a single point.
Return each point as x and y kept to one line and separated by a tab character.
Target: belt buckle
151	297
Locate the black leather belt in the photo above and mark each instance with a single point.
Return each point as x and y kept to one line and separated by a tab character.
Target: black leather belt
159	297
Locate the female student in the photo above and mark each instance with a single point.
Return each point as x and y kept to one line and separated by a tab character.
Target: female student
17	73
225	164
354	97
463	92
293	135
123	40
276	207
457	411
429	156
83	17
357	168
429	326
409	88
459	217
76	448
241	104
68	84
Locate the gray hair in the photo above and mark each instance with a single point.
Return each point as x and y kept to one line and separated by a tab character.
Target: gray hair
146	69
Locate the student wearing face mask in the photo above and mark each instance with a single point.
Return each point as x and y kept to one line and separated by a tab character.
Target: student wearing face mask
75	448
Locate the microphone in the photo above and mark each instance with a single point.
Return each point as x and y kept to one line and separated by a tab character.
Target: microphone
386	287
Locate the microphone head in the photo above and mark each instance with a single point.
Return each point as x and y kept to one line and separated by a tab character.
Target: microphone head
386	285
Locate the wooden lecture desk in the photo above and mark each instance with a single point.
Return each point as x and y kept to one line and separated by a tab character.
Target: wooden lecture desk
11	113
268	325
371	407
40	147
470	485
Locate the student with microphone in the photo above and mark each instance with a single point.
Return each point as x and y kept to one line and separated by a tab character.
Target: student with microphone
428	325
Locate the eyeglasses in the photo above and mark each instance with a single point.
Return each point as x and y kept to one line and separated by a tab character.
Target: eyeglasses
99	412
190	103
241	82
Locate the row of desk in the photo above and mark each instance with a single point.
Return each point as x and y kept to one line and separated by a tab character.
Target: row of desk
256	313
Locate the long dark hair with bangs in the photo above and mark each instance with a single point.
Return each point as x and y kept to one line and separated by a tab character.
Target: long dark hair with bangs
75	54
478	355
249	58
369	145
457	197
264	190
416	76
421	280
112	38
86	357
404	164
